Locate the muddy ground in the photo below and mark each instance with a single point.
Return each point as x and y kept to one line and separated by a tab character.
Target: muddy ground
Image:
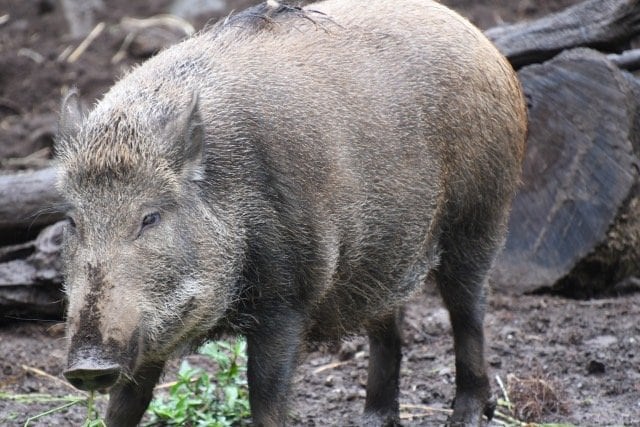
584	355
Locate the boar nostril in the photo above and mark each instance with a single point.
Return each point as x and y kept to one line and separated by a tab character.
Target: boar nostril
93	378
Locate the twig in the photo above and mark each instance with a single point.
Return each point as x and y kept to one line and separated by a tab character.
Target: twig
85	43
406	416
31	54
329	366
171	384
507	420
122	52
38	397
51	377
51	411
64	54
165	385
504	392
171	21
425	408
36	159
427	411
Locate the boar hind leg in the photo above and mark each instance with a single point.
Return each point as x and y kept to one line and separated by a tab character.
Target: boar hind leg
385	354
129	399
460	277
273	352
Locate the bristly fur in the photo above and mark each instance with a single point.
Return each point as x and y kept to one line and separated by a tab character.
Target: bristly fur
265	16
292	174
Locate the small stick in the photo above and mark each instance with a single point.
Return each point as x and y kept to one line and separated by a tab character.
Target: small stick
51	377
85	43
162	19
32	55
404	416
504	391
51	411
122	52
329	366
171	384
64	54
425	408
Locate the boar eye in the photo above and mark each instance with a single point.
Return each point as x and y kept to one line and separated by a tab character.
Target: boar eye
150	220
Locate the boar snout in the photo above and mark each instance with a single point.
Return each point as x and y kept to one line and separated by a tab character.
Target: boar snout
93	374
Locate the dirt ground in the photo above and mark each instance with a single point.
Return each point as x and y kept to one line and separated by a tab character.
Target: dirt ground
585	352
581	357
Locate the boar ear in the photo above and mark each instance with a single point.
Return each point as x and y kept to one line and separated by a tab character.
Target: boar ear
70	115
186	130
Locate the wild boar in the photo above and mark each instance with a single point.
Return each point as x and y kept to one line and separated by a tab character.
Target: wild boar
292	175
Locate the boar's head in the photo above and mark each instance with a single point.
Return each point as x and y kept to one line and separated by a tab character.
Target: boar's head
148	262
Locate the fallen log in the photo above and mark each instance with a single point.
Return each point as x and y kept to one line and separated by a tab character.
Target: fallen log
29	199
579	195
606	25
30	277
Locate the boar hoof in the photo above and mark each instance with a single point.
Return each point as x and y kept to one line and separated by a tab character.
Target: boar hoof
490	407
468	414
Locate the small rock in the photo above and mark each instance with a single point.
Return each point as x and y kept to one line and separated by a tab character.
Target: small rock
595	367
440	319
495	361
347	350
602	341
336	394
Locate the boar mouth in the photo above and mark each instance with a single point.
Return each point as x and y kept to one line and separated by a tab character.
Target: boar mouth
93	373
99	366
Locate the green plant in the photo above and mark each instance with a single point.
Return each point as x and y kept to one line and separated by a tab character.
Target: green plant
195	400
93	416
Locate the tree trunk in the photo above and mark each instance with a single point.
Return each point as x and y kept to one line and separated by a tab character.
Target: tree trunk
607	25
30	277
580	176
29	199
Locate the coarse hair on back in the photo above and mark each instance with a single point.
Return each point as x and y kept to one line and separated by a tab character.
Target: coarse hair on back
267	16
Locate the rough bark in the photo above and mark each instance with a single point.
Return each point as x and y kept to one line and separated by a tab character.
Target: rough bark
628	60
606	25
580	171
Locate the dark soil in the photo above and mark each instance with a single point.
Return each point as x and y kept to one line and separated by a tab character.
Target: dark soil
587	354
563	360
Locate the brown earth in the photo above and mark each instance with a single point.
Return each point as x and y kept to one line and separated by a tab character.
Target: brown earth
585	352
582	355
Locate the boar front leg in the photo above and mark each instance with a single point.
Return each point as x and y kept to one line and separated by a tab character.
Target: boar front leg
130	398
273	352
385	354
